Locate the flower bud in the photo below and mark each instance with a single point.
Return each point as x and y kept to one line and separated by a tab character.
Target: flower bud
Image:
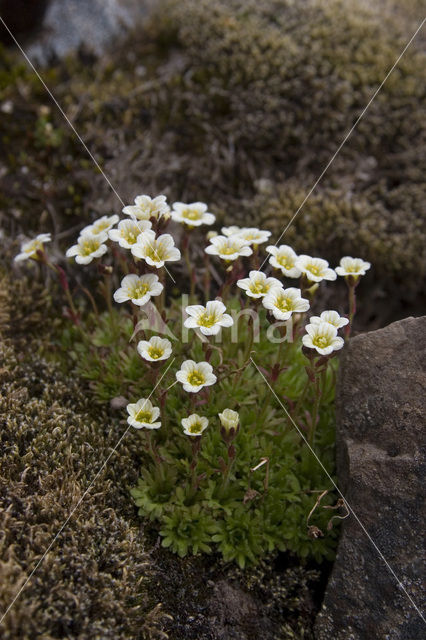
230	421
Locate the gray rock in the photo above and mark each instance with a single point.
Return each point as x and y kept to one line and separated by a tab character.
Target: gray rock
381	402
93	25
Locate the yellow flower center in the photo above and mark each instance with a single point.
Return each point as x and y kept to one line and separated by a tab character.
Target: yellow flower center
285	262
139	290
284	304
259	287
195	378
353	268
35	246
207	320
129	235
316	271
228	249
192	214
100	226
148	209
321	341
155	352
196	427
89	246
144	416
157	252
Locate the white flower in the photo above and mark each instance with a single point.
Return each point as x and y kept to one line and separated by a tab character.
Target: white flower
211	234
257	284
103	224
230	231
88	247
352	267
194	424
283	302
315	269
138	289
155	349
128	231
229	419
146	208
29	249
284	259
143	414
194	214
155	251
252	235
195	375
322	337
208	319
332	317
228	248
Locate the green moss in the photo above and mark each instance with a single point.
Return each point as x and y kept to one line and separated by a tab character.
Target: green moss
382	226
91	582
235	92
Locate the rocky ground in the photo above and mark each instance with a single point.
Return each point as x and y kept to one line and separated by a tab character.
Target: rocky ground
225	103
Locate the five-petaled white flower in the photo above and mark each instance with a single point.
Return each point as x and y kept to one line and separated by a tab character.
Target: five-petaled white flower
229	419
143	415
195	375
88	247
257	284
194	214
352	267
155	349
284	302
128	232
208	319
102	224
138	289
29	249
315	269
284	259
252	235
332	317
156	251
322	337
146	207
194	424
228	248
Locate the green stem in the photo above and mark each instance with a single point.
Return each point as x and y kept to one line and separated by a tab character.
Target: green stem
150	448
301	397
320	378
230	463
281	347
196	446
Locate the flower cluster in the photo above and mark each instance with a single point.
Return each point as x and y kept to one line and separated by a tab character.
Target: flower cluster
175	404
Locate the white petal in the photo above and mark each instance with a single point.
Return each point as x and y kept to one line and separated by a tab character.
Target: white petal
121	295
